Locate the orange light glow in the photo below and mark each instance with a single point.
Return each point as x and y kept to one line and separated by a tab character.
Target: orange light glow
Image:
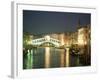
47	57
81	37
62	39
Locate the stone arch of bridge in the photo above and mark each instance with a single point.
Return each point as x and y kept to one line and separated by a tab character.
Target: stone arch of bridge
46	43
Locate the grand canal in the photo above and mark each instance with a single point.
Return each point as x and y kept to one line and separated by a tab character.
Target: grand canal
49	57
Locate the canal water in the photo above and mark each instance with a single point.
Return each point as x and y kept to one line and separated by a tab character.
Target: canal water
48	58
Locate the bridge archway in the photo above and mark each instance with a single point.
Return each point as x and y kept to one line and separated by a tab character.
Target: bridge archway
48	44
46	41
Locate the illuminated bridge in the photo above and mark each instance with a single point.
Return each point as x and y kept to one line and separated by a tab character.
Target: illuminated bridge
46	39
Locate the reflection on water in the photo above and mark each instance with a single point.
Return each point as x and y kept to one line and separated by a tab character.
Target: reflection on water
62	58
67	57
55	56
29	59
48	58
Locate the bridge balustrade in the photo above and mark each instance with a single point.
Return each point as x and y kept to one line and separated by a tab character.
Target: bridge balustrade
40	41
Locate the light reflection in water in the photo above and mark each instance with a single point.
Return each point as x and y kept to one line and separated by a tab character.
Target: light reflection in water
62	58
29	59
52	58
47	57
67	57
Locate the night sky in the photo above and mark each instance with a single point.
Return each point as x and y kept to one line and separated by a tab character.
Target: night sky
42	22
